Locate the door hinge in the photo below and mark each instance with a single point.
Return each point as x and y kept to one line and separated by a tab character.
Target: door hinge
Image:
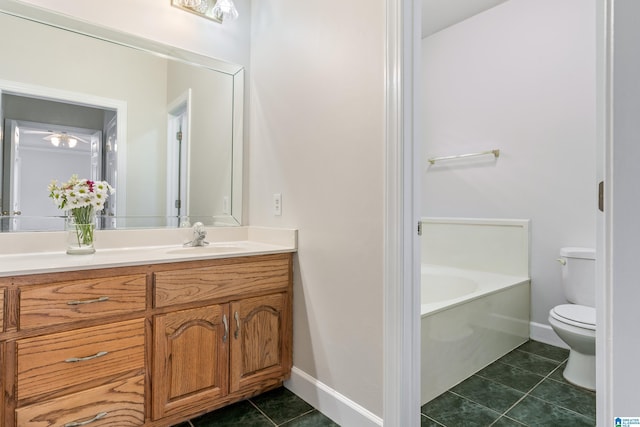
179	136
601	196
178	204
419	228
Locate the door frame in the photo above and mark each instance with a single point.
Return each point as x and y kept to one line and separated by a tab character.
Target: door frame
401	371
401	405
120	107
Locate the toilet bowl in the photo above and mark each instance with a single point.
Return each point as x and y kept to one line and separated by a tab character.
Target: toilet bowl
576	326
575	323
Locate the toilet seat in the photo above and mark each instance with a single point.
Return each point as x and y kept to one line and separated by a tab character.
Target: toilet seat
577	315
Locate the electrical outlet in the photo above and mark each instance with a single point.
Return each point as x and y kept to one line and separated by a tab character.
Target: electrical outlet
277	204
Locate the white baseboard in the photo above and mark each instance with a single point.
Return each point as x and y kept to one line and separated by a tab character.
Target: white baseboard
545	334
346	412
334	405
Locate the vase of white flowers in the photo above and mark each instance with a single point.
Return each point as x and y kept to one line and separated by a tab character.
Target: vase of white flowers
81	199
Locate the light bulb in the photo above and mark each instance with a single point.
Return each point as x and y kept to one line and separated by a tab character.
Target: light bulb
225	9
71	142
55	141
191	3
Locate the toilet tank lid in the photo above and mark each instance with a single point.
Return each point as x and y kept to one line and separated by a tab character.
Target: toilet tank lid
573	252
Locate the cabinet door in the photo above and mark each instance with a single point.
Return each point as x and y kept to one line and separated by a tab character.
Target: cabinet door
260	342
190	359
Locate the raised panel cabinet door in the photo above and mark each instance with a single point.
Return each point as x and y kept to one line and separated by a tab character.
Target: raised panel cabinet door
260	341
190	359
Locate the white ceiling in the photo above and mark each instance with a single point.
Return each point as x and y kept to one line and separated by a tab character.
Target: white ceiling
439	14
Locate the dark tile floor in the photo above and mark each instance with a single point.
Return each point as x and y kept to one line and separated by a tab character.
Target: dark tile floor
523	388
278	407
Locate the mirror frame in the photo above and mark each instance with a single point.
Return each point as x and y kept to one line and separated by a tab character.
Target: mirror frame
237	72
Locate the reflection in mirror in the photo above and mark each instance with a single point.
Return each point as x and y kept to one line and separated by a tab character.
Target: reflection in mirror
166	133
37	150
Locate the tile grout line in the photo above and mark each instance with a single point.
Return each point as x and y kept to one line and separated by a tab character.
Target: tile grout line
299	416
560	382
262	412
527	393
431	419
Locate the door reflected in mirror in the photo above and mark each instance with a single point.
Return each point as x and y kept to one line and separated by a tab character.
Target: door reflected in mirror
164	132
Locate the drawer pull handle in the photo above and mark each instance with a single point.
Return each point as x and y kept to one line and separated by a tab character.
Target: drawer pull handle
226	328
98	416
84	359
88	301
237	332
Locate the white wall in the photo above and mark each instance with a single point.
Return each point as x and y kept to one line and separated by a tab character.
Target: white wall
317	137
521	78
159	21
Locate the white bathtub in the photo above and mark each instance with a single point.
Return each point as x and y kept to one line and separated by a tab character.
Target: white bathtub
470	319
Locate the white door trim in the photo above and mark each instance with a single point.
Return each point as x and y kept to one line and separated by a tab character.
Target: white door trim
401	256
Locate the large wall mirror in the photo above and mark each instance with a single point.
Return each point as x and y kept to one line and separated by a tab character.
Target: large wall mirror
162	126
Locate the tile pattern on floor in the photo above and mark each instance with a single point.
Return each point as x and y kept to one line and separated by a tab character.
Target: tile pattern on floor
523	388
278	407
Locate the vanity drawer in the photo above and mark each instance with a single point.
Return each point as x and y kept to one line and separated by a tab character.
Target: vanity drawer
117	404
74	300
57	361
224	280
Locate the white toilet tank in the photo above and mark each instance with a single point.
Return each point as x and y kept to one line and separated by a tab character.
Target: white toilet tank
578	275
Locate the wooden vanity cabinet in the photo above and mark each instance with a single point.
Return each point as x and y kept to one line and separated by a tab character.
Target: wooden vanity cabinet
149	345
74	348
213	354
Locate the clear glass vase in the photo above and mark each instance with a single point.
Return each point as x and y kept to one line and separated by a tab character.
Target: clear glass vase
80	235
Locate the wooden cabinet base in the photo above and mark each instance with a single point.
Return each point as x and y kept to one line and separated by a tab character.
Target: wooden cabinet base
151	345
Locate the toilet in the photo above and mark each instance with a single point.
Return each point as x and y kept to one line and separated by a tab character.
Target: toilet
575	323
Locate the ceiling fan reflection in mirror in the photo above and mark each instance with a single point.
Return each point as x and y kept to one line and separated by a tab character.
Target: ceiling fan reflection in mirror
59	139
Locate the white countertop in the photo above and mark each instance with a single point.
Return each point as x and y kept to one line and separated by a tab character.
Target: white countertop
136	247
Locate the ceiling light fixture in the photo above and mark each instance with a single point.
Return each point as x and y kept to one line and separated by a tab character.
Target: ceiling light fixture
216	10
63	140
226	9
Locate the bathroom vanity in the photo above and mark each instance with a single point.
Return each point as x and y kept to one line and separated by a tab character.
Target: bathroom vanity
140	342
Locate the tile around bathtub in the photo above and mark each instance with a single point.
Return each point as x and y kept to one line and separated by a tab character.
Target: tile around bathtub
488	393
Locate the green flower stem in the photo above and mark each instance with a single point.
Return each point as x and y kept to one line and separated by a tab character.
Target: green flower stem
84	224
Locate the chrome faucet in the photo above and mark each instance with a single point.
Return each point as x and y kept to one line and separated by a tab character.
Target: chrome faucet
199	234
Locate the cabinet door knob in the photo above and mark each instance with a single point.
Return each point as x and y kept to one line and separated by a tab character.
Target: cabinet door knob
98	416
237	332
226	328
